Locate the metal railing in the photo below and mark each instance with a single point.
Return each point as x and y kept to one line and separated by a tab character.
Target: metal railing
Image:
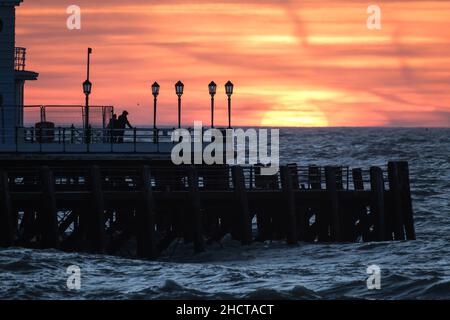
45	137
19	58
74	135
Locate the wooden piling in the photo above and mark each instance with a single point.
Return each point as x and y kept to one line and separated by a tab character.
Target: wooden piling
96	220
194	199
6	214
293	170
377	203
289	199
338	172
47	215
264	218
314	177
358	182
330	178
403	174
146	242
208	207
360	208
302	221
244	218
396	201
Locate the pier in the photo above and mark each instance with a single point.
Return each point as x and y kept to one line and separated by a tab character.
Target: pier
139	207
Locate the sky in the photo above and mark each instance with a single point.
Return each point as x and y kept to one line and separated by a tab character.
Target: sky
293	62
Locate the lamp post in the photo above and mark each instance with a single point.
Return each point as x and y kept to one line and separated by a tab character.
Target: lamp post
212	91
87	88
229	91
155	92
179	88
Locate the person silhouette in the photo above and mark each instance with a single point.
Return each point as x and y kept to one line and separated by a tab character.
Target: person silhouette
122	123
110	133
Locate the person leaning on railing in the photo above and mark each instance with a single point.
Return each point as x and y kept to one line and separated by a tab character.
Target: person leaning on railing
122	122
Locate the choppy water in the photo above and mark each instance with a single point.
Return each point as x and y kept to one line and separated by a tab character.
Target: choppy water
415	269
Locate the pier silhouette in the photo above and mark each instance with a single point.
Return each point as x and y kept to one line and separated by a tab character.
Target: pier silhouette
87	186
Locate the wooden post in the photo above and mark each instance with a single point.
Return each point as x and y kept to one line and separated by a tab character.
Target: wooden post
360	208
146	242
289	198
48	220
245	222
377	202
96	219
358	182
330	178
314	178
194	198
319	229
396	201
403	174
6	214
302	223
293	170
339	178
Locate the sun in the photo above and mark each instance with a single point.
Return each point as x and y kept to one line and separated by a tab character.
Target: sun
293	118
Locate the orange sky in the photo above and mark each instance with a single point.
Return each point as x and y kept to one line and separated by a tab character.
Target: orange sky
293	63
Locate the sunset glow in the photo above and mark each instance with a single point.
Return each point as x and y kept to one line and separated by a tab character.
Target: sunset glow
293	63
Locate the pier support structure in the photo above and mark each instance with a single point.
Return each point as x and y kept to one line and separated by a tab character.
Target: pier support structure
139	208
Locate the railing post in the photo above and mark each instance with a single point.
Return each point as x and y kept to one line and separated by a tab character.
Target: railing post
134	138
88	138
17	139
112	138
64	139
40	139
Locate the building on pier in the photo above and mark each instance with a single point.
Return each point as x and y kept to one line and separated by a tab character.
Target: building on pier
13	73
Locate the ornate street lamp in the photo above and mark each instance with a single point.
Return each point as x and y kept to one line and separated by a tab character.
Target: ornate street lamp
87	88
212	91
155	92
179	88
229	91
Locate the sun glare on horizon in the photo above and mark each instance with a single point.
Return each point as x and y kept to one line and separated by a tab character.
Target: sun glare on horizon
283	118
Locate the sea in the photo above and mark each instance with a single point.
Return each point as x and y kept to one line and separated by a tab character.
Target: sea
417	269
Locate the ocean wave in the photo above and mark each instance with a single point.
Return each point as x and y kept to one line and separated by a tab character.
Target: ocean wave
272	270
